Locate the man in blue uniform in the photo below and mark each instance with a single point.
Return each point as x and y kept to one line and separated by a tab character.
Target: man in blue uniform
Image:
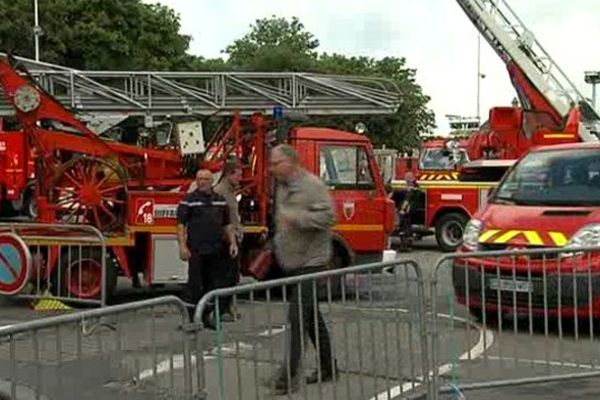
205	233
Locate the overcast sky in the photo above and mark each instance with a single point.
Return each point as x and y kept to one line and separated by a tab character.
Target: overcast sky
435	37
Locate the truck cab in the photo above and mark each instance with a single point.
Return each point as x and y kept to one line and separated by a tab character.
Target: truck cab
550	198
365	216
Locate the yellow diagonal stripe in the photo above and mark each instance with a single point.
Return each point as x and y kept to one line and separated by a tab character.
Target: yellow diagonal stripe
485	236
558	238
505	237
533	238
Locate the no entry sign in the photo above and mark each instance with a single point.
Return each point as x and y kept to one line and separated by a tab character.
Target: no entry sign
15	264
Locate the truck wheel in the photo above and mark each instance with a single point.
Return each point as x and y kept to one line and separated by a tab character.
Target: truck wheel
30	208
81	276
449	231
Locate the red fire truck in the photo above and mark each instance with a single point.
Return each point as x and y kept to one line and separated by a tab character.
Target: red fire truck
552	112
130	192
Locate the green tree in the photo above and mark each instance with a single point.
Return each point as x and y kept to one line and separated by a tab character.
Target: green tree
274	44
97	34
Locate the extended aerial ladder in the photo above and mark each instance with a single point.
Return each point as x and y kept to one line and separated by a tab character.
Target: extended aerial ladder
76	170
104	98
530	66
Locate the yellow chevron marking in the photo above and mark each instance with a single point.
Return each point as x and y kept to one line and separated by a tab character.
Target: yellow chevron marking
485	236
533	238
558	238
506	236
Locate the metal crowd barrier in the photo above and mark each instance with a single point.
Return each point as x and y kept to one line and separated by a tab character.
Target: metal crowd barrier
536	311
131	351
374	315
67	262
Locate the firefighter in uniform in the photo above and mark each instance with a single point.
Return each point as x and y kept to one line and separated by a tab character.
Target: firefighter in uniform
205	236
302	243
229	182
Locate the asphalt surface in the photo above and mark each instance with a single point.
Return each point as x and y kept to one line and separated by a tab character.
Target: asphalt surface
376	334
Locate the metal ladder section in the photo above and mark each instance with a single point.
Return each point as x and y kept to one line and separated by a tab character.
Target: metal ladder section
513	42
149	93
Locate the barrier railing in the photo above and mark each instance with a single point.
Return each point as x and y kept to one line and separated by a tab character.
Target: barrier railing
67	262
131	351
372	330
536	310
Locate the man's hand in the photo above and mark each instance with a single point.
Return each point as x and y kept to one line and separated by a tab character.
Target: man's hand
184	253
233	250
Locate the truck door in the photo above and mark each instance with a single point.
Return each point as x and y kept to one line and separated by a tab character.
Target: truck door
360	204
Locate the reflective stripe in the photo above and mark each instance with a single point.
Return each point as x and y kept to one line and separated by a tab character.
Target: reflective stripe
201	203
487	235
558	238
534	238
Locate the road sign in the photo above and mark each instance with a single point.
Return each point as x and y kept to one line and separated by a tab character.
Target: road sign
15	264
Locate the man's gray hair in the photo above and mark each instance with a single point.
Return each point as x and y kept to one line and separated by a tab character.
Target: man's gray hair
288	152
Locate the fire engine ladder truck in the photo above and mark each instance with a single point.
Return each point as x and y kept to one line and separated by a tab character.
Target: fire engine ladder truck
514	43
104	98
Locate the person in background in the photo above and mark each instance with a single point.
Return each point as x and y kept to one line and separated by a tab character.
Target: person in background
304	218
229	182
405	211
202	223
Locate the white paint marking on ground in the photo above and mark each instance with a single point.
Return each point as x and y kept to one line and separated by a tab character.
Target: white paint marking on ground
486	338
272	331
178	362
545	362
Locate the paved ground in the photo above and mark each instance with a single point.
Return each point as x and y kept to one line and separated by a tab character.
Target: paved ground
376	335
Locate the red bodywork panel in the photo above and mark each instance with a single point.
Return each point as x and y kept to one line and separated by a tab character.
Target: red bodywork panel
16	164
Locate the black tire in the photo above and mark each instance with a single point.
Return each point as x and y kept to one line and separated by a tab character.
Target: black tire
92	255
449	230
30	208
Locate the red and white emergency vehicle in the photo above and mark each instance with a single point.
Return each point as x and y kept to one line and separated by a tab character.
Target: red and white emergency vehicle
549	199
130	192
552	112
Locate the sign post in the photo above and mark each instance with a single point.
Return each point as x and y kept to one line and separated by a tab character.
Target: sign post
15	264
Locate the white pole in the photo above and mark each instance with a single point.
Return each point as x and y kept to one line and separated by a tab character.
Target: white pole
36	30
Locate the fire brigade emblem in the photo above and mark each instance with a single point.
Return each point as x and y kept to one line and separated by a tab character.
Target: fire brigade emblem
348	209
144	214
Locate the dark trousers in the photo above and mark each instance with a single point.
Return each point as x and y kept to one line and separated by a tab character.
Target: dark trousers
206	272
303	310
231	278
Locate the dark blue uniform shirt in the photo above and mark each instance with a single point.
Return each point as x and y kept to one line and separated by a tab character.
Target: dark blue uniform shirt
205	217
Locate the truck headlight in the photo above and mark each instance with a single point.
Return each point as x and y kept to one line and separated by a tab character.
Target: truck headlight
588	236
471	234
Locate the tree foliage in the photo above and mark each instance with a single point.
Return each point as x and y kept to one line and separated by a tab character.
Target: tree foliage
276	44
97	34
131	35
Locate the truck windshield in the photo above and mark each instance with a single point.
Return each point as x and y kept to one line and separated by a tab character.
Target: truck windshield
553	178
442	159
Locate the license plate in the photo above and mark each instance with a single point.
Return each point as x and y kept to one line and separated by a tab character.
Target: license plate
511	285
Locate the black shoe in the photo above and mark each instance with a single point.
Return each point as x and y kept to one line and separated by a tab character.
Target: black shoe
325	376
281	385
209	323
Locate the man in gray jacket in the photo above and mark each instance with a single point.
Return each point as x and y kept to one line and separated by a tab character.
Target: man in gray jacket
304	218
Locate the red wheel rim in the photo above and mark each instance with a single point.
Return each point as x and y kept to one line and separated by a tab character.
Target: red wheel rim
89	191
84	278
